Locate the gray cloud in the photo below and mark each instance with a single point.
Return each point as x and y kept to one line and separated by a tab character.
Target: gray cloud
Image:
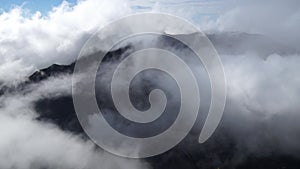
276	19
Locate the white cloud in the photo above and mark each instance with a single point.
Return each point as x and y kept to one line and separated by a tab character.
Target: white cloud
29	144
27	42
266	87
31	41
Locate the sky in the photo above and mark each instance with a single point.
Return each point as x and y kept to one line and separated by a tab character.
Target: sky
205	8
44	6
32	5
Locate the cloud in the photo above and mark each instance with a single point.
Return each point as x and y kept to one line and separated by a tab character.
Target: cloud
262	94
278	19
261	115
30	144
265	86
262	109
32	41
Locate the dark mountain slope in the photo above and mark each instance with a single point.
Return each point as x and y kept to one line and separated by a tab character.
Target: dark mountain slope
221	151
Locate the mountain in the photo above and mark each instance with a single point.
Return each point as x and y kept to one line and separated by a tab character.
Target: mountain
237	43
218	152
